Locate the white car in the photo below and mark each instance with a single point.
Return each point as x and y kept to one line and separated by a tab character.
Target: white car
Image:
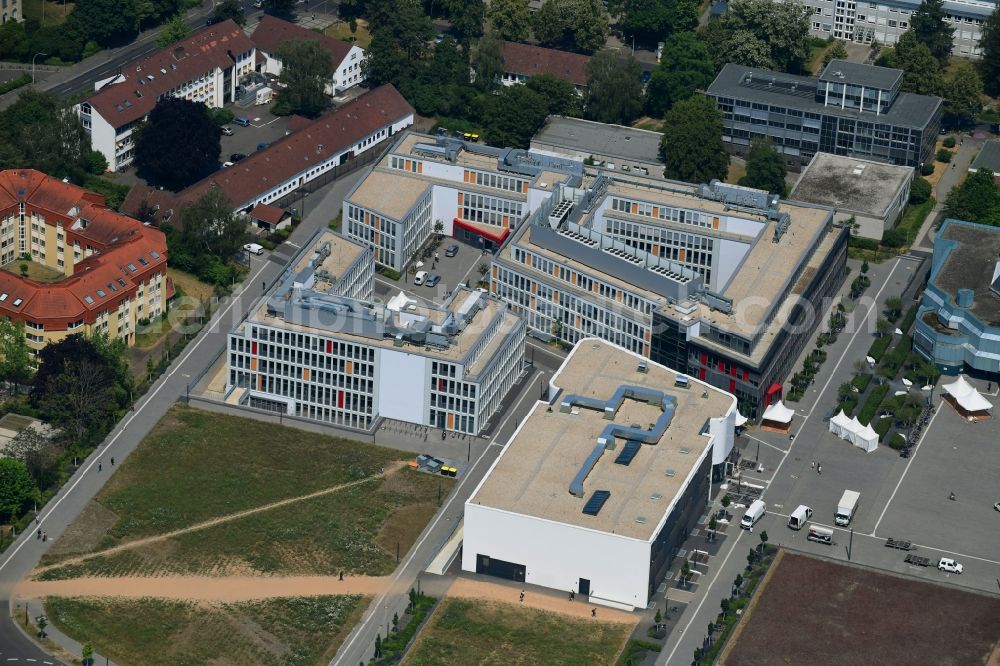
950	565
254	248
419	278
997	506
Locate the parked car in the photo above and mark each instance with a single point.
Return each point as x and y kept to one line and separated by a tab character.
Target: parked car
236	157
949	565
227	130
997	506
432	280
227	164
242	121
261	146
419	278
451	251
253	248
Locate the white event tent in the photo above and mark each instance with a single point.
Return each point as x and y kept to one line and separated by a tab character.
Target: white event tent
967	400
850	429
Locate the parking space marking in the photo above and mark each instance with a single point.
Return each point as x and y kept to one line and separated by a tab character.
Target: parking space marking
776	448
908	463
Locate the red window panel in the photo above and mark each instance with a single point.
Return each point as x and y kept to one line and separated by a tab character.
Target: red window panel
340	399
701	374
746	375
721	366
732	370
704	358
732	386
253	348
329	346
440	385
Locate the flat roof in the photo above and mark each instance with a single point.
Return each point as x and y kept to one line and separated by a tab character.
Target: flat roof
600	138
870	76
970	264
908	110
988	157
535	468
391	193
343	253
848	183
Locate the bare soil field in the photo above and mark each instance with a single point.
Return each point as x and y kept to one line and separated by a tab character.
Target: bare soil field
818	612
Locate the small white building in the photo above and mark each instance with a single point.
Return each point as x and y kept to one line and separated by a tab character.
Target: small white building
271	33
598	488
204	67
873	193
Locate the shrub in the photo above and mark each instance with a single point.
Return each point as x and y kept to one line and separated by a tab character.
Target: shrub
920	191
861	382
926	169
908	320
221	116
943	155
14	84
391	274
870	408
894	360
882	427
897	441
894	238
848	404
863	243
949	142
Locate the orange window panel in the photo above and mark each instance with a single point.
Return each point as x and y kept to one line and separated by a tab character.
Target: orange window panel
682	255
534	287
656	250
420	167
260	382
533	302
451	421
350	367
494	271
635	208
656	211
459	198
506	222
407	164
555	296
253	364
305	374
715	222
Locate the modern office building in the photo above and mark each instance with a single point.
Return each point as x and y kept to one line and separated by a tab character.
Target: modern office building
272	32
523	61
307	153
317	347
478	194
850	109
884	22
598	488
958	323
600	146
873	194
104	272
205	67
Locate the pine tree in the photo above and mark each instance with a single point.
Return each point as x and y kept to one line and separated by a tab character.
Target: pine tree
932	30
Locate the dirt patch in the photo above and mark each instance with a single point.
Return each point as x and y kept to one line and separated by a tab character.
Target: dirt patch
538	599
85	533
858	616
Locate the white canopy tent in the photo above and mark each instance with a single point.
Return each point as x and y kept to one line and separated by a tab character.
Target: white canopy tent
965	396
740	419
851	430
778	413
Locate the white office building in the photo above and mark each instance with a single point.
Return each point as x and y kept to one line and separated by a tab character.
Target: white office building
271	33
598	488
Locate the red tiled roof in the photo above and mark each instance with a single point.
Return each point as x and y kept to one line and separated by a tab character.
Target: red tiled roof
266	213
534	60
272	32
120	243
264	170
212	47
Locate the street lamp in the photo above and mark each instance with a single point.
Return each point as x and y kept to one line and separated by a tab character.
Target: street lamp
33	64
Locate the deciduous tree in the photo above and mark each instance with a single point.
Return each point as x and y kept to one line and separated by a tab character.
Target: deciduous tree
513	116
510	19
107	22
466	17
210	230
989	42
488	62
650	21
178	145
685	67
929	23
307	68
737	46
963	94
574	25
16	488
15	357
614	88
921	70
782	26
692	145
230	10
765	168
977	199
400	33
836	52
279	7
173	30
562	97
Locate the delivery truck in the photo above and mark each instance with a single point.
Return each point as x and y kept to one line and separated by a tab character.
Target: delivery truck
846	507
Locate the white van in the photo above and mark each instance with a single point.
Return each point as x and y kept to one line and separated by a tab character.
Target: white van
820	534
753	514
253	248
799	517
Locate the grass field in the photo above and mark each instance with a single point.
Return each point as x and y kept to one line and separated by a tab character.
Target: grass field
469	631
36	271
858	616
289	631
195	466
190	285
342	31
55	12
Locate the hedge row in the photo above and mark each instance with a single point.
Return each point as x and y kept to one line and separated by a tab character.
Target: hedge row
911	316
894	360
870	408
877	350
883	427
861	382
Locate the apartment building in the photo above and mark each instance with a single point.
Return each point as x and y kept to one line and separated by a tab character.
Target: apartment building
585	496
884	22
272	32
106	271
476	193
317	347
205	67
307	153
850	109
10	10
523	61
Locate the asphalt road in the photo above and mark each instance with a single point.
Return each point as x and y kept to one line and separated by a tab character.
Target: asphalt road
23	556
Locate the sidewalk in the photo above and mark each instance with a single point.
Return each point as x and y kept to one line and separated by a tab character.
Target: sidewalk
962	159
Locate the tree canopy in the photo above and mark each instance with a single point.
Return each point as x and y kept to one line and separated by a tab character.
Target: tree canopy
929	23
614	88
652	21
685	67
173	31
16	488
782	28
307	68
510	19
466	17
488	61
977	199
765	168
442	86
210	235
15	357
178	145
107	22
514	115
281	8
921	70
963	94
562	97
400	33
230	9
692	145
989	42
572	25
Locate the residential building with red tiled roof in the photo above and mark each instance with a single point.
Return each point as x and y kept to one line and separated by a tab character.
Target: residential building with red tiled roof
522	61
272	32
269	218
114	269
205	67
293	160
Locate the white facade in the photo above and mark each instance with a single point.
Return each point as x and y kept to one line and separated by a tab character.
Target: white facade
346	74
10	10
884	22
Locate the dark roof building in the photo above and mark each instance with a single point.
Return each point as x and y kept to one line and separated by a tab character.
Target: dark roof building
988	158
521	62
272	32
851	109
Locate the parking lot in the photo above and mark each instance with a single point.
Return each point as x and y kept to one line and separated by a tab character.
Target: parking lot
453	271
265	127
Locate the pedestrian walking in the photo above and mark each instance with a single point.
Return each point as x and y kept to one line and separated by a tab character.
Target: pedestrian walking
812	465
99	466
819	469
341	575
593	612
522	596
39	535
572	595
45	536
112	461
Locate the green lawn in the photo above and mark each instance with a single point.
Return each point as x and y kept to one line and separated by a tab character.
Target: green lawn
467	631
342	31
288	631
36	271
54	14
195	466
